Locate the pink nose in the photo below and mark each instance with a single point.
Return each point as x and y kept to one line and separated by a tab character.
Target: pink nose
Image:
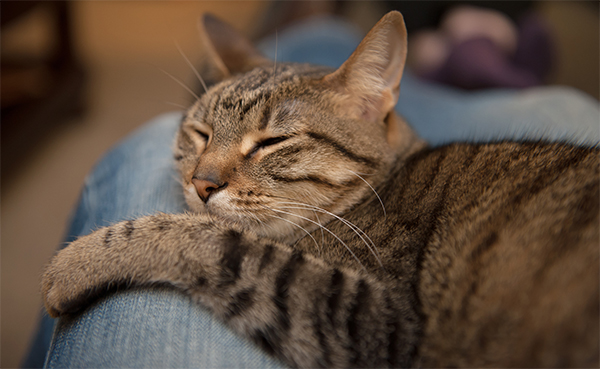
206	188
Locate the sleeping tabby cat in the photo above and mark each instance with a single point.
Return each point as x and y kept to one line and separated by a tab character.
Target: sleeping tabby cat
323	229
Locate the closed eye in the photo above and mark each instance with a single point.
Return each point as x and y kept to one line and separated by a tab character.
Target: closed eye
268	142
202	135
271	141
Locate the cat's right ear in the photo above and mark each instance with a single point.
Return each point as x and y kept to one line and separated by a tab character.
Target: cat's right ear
369	81
227	52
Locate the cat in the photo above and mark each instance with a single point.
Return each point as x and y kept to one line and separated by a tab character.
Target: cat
323	229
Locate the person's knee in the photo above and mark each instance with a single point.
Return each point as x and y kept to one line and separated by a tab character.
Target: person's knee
137	177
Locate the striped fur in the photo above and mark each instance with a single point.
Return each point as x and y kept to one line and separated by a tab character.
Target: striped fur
483	254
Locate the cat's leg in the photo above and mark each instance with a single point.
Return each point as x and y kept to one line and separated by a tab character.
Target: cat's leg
144	327
294	306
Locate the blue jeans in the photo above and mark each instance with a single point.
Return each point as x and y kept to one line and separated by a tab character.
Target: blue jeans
161	327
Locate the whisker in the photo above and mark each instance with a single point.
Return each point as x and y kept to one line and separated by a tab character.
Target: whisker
352	226
175	104
365	174
295	224
313	207
178	81
326	229
375	192
321	227
191	66
272	98
275	61
359	232
177	179
258	221
252	215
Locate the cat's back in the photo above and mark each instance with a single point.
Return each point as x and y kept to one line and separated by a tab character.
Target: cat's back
510	273
496	246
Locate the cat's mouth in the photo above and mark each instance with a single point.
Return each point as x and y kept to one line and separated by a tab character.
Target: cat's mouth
285	221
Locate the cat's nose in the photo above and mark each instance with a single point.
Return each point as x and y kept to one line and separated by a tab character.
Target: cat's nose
205	188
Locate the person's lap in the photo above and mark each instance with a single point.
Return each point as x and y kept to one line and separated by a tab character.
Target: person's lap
158	327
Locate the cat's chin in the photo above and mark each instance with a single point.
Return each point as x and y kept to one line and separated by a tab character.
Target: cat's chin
278	230
222	211
274	229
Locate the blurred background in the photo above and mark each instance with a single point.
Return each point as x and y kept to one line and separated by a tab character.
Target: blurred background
76	77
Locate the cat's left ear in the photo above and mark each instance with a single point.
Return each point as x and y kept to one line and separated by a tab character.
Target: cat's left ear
370	78
228	52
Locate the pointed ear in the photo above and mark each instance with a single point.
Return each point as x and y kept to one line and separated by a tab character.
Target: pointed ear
228	52
370	78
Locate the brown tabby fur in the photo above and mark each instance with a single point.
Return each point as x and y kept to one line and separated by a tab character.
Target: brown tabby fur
487	254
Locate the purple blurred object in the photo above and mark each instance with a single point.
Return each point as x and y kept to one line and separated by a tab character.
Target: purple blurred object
479	63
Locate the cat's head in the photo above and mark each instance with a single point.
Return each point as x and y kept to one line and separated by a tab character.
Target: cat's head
276	147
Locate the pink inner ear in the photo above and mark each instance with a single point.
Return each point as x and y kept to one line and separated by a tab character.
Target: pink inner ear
370	108
377	107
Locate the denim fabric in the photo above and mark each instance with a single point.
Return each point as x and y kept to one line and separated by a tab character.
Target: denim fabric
155	327
160	327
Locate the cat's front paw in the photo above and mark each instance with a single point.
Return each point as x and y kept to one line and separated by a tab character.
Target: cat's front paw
55	293
71	280
58	290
